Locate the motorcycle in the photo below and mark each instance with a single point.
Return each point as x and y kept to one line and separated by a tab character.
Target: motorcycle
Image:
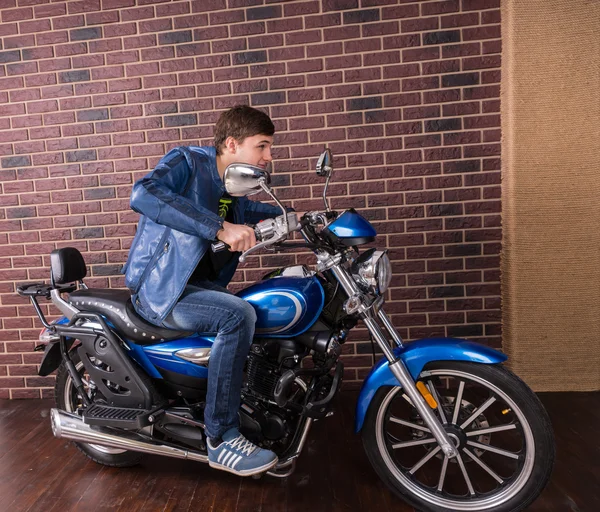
445	425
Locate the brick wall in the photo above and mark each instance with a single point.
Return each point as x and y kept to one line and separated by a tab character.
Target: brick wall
406	95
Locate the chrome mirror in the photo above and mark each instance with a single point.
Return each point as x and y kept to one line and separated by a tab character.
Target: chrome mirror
324	169
245	179
325	164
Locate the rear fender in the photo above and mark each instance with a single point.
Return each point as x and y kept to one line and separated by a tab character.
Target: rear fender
415	356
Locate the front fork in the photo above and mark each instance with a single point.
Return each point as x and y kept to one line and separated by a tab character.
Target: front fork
397	366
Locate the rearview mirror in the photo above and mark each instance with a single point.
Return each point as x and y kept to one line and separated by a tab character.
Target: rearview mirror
325	164
245	179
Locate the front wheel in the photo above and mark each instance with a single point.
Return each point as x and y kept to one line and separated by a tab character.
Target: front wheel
501	429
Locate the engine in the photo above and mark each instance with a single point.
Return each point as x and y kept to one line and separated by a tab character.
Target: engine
267	360
261	419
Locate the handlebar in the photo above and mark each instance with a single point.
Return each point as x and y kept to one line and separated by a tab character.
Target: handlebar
218	246
267	232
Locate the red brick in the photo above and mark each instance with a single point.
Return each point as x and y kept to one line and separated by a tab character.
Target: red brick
460	20
487	32
17	14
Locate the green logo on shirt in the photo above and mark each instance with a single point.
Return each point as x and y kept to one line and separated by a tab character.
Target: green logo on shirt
224	206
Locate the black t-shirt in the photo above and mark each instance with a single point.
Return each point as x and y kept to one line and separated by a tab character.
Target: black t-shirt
212	263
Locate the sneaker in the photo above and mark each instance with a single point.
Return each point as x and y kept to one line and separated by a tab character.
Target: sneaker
239	456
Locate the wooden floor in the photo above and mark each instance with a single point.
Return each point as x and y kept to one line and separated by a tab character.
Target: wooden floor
41	473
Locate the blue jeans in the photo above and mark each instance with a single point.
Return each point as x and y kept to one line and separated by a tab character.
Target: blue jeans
206	307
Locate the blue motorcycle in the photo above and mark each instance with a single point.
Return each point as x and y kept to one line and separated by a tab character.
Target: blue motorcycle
444	424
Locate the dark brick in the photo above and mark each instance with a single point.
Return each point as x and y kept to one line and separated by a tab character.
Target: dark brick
181	120
249	57
92	194
83	34
12	56
440	210
80	75
361	16
447	36
16	161
183	36
446	291
268	98
100	114
80	156
21	213
465	330
84	233
460	79
263	13
462	166
364	103
105	270
442	125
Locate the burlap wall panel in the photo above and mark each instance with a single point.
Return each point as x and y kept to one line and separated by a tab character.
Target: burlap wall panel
551	192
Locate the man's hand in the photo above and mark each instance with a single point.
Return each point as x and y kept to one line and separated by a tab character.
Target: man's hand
239	238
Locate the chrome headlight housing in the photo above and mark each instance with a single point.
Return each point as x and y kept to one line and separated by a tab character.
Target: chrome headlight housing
372	271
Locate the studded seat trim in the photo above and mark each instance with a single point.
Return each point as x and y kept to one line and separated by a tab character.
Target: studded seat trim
116	306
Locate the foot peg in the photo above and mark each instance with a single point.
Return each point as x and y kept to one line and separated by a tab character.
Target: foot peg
120	417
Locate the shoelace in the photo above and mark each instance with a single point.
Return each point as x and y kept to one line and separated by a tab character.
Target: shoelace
242	444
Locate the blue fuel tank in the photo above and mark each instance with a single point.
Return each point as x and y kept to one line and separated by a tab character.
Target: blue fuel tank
286	305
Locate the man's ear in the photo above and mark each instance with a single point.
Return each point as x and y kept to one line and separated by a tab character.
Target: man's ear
231	145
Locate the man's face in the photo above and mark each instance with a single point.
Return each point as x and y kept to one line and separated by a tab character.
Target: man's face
255	150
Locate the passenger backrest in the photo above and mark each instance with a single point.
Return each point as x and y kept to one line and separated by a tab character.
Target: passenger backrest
66	266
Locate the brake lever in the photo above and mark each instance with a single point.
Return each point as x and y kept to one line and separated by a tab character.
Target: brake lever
260	245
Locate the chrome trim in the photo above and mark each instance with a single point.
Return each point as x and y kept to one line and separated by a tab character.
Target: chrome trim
385	320
71	426
64	307
295	271
291	460
199	356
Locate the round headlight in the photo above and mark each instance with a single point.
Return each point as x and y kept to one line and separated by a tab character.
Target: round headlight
373	270
384	272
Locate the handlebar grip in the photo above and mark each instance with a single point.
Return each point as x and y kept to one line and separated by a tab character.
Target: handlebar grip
219	246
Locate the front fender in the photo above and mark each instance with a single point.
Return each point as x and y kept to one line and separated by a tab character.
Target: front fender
415	356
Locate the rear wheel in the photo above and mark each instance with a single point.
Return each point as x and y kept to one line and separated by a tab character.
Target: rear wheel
68	399
502	431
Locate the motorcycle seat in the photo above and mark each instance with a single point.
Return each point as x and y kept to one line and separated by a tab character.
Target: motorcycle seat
116	306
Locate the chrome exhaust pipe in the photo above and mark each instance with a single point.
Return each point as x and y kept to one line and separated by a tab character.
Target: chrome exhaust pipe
71	426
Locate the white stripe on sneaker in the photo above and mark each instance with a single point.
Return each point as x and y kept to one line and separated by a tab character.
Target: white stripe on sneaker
227	457
232	466
223	452
230	461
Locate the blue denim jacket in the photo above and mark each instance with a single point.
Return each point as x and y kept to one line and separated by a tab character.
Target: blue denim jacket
178	202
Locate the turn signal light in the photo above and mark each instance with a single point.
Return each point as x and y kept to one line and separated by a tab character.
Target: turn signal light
427	395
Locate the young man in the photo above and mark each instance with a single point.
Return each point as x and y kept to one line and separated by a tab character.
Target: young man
178	283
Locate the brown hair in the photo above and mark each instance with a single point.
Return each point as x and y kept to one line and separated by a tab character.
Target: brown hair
240	122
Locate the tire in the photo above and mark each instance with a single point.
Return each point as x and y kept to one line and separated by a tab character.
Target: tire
65	397
515	418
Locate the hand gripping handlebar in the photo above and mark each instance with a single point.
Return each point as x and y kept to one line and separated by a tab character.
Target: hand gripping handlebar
267	232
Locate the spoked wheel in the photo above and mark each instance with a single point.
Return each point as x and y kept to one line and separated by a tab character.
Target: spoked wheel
68	399
502	432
